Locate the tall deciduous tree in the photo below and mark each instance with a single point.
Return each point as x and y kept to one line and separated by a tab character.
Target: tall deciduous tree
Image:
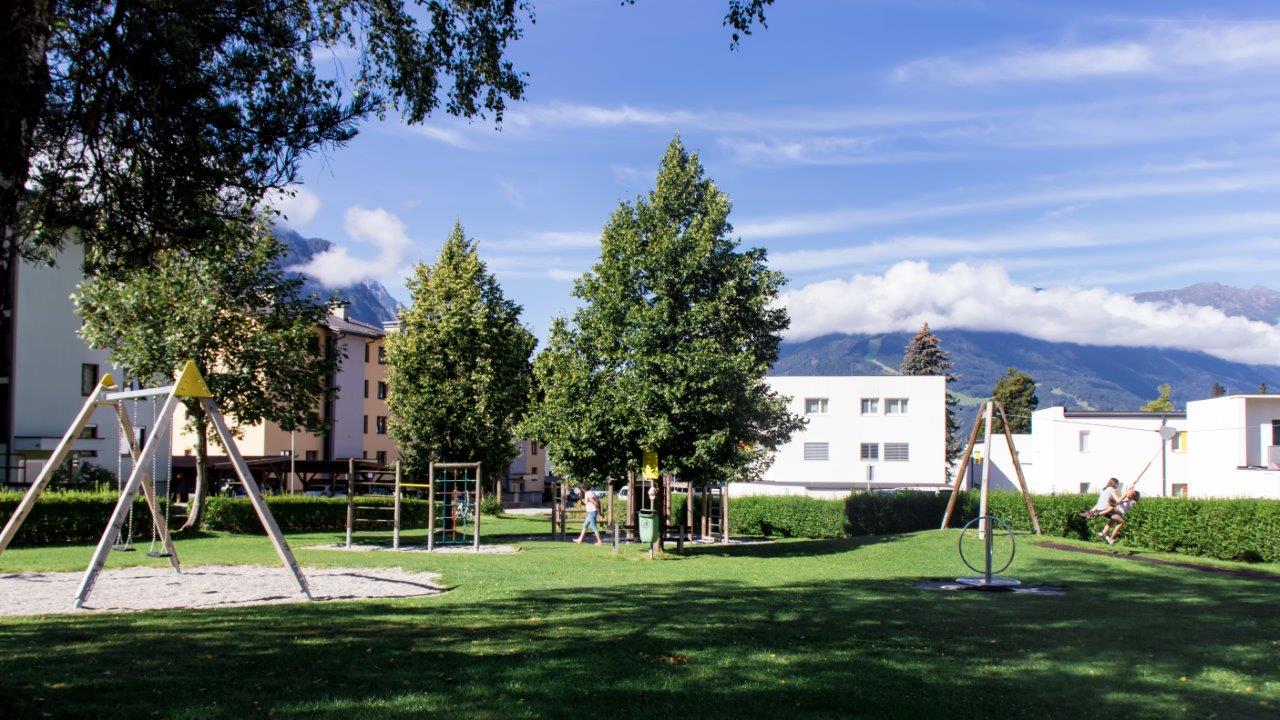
669	351
248	327
459	370
1163	401
924	356
1016	391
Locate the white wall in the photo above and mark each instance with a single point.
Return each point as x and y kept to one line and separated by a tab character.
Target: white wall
48	355
1228	440
1120	445
348	406
843	427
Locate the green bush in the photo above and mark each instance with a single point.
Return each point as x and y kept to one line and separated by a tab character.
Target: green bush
786	516
491	505
301	513
70	516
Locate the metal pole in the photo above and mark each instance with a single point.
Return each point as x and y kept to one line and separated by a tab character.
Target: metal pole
395	533
293	470
984	526
431	507
351	498
475	542
1164	465
987	571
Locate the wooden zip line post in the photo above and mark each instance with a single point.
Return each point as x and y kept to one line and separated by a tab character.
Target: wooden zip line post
987	412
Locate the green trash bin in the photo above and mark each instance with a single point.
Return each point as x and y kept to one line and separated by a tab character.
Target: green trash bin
648	526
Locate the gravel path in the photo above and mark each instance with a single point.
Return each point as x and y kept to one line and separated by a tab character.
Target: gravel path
210	586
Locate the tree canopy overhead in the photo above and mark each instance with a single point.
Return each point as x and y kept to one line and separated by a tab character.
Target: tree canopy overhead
669	351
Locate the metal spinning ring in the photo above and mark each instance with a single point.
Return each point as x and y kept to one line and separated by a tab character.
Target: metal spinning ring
1013	544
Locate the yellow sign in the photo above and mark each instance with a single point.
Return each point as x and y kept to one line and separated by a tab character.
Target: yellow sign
650	469
190	384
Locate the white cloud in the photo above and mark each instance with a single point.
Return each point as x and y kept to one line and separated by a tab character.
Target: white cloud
583	115
296	204
440	134
1168	48
563	275
337	267
547	241
983	297
842	219
512	193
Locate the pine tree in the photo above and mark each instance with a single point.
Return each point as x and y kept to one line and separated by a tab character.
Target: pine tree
1217	390
924	356
1016	391
1262	388
458	374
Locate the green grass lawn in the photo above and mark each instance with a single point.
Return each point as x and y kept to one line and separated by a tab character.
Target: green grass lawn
827	629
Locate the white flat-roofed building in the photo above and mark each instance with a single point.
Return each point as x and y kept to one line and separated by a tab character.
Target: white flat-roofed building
863	432
1234	446
1077	451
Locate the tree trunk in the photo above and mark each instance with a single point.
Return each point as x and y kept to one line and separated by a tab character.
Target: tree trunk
195	503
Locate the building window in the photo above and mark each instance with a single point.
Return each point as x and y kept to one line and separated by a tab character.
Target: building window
90	432
366	389
1179	489
1084	441
1178	443
870	406
1275	432
871	474
381	424
895	406
366	355
139	437
815	406
869	451
88	379
533	449
366	424
364	454
382	355
816	451
382	390
533	470
381	455
897	451
313	455
84	454
1084	488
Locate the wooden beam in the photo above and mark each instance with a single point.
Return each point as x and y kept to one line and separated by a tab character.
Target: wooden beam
148	486
964	467
1017	468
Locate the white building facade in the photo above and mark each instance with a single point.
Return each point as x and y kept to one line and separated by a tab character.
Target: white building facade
1219	447
863	432
53	372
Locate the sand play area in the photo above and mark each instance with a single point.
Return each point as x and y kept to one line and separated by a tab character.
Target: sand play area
211	586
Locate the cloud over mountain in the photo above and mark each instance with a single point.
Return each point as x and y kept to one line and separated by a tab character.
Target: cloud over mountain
984	297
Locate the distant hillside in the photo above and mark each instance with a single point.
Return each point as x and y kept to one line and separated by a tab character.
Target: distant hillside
368	301
1255	303
1078	376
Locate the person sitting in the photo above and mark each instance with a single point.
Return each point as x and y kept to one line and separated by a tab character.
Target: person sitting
1108	498
1115	518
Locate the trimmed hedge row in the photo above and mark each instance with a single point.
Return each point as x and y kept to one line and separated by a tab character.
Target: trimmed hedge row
69	516
302	513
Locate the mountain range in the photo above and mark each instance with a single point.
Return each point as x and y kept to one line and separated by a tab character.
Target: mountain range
367	301
1095	377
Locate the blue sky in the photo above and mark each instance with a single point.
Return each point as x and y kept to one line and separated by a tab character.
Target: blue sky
1065	146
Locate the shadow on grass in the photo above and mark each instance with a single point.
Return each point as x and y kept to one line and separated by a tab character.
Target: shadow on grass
830	648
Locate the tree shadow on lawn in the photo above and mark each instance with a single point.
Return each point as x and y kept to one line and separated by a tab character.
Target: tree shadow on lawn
1115	647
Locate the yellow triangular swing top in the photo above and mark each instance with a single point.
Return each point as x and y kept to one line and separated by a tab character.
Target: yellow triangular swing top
190	383
107	382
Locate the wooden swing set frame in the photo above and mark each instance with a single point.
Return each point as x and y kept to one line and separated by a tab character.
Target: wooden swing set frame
189	385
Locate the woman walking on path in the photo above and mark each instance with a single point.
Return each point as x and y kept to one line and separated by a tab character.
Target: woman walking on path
591	504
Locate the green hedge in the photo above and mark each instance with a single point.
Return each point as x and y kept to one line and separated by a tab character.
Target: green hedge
70	516
302	513
786	516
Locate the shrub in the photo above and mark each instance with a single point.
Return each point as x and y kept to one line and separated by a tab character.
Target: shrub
786	516
70	516
490	505
301	513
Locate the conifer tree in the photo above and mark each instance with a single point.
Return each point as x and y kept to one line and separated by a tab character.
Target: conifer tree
1016	392
924	356
458	373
